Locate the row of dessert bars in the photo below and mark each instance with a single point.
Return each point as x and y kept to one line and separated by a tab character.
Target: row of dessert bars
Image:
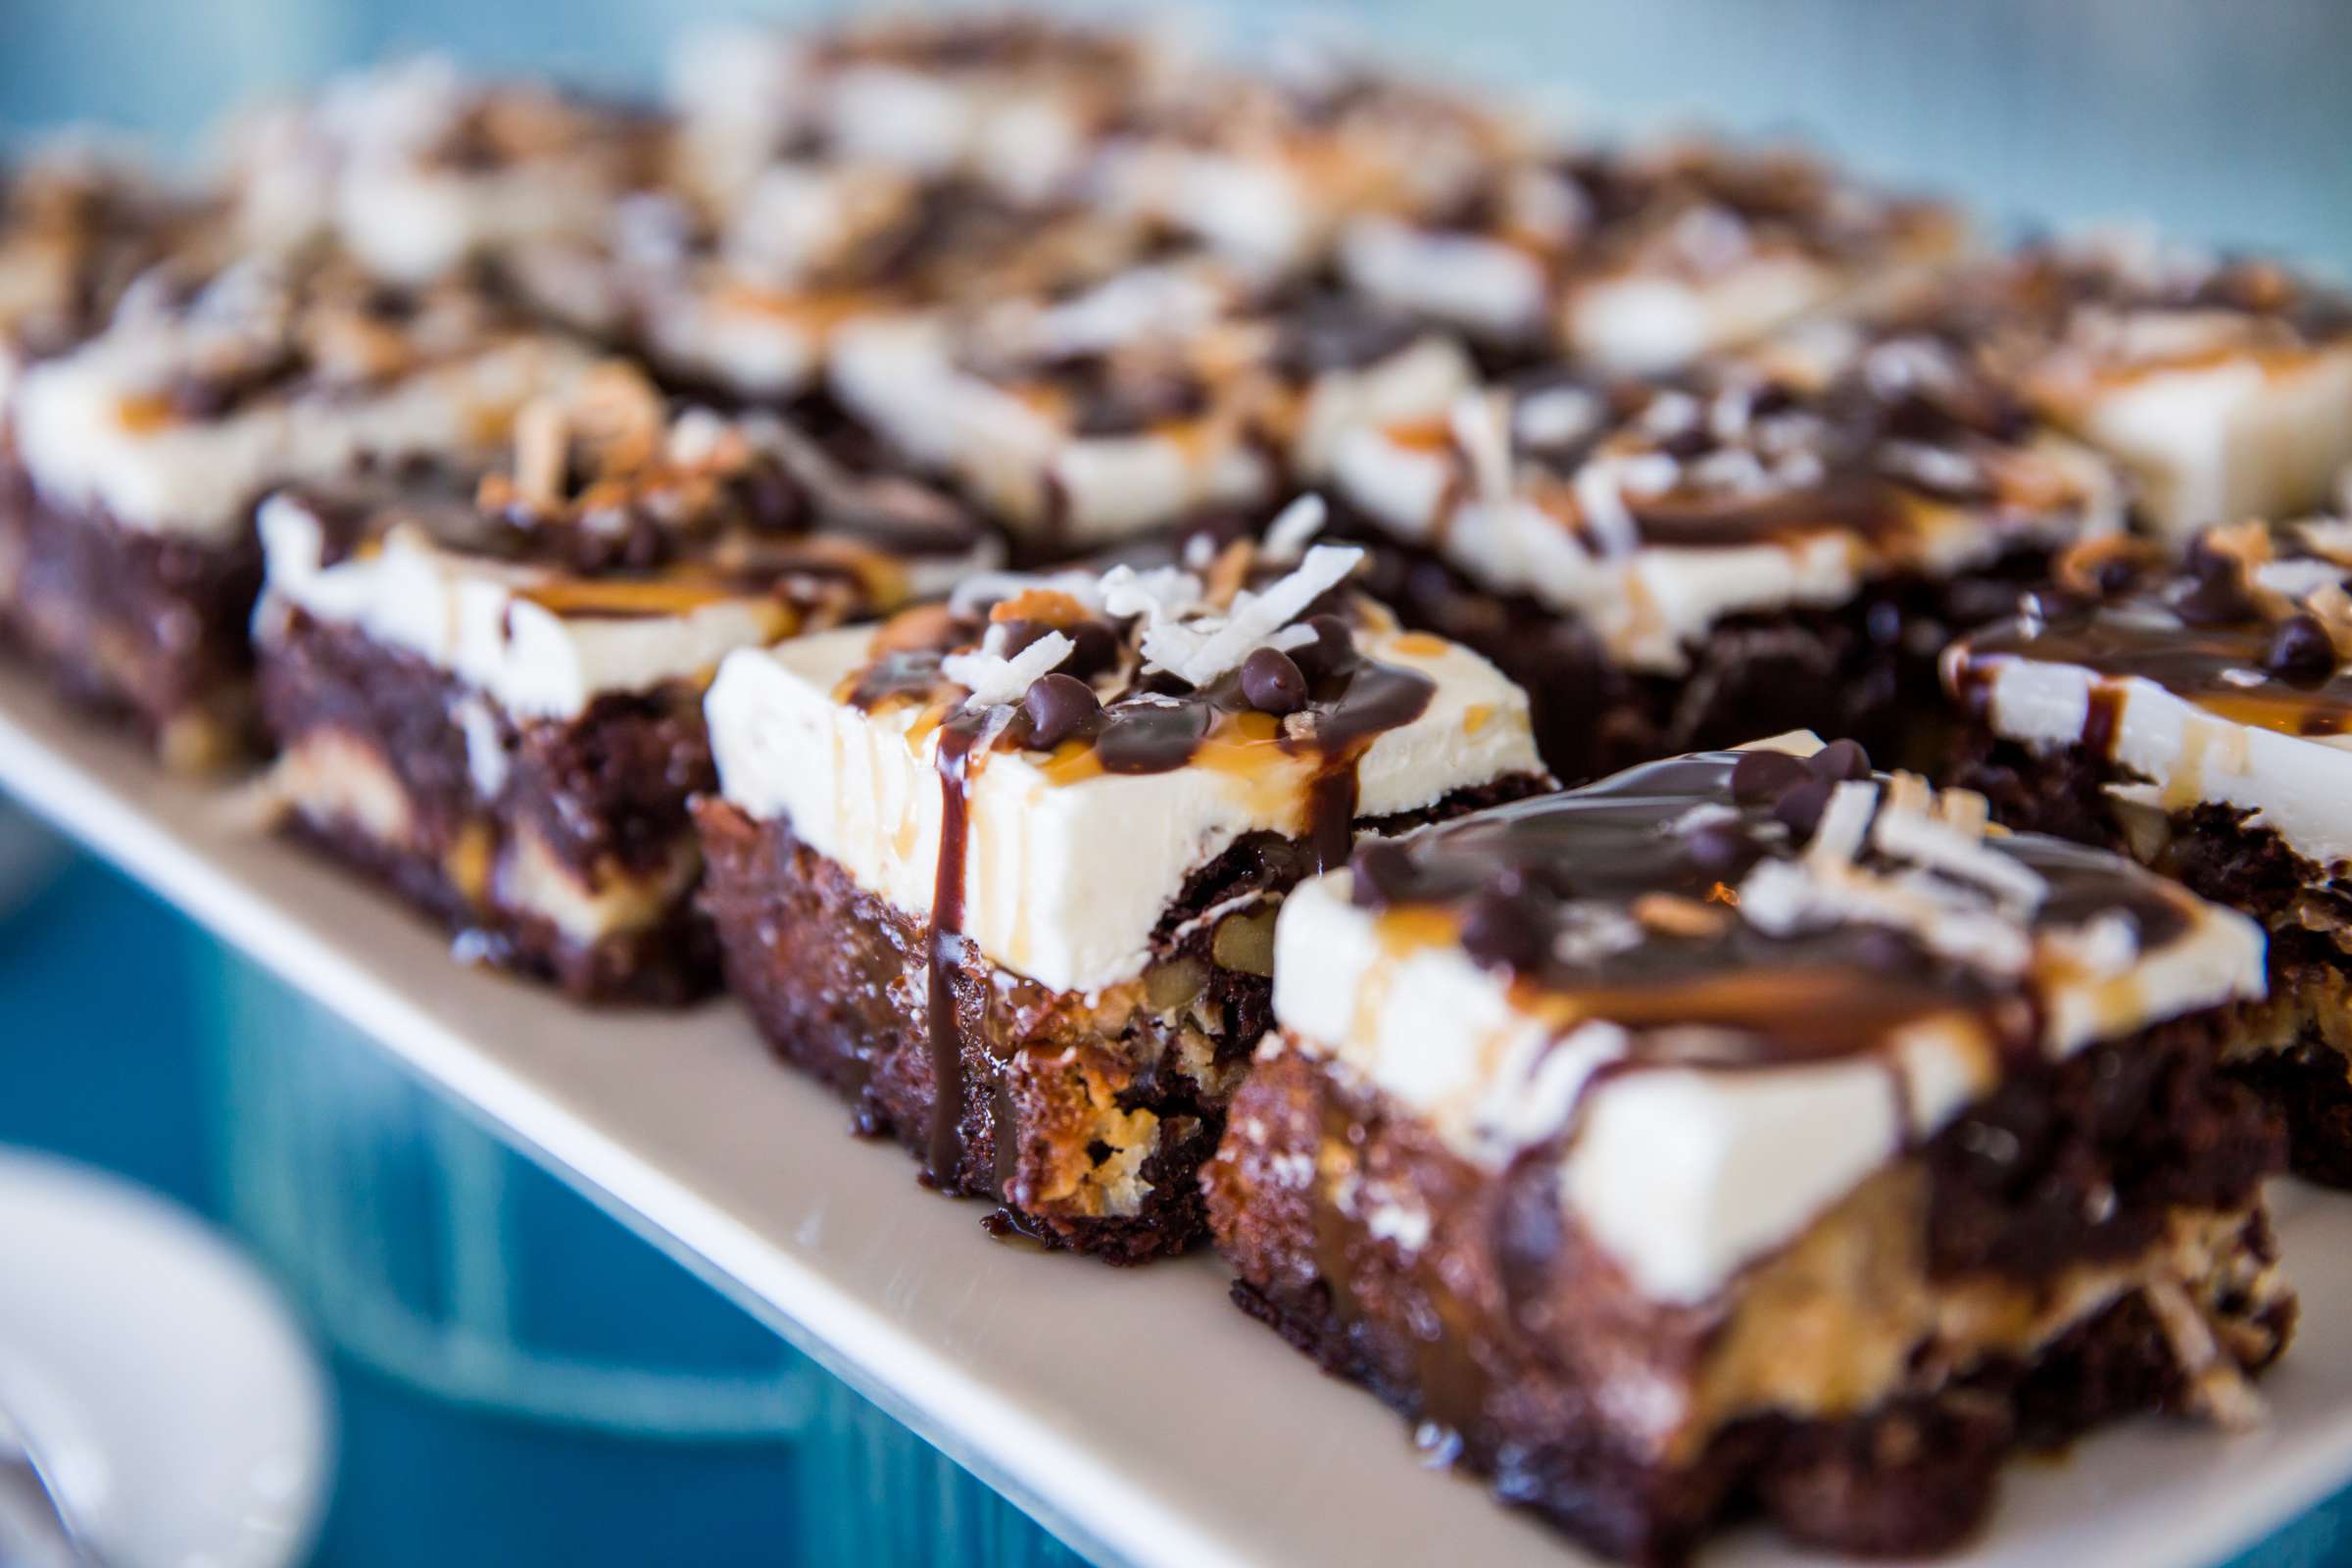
1071	575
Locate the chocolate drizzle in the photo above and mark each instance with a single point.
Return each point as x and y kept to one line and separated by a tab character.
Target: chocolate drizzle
959	738
1563	892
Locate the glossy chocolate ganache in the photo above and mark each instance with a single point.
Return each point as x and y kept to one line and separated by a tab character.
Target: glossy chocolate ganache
1246	661
1745	909
2251	623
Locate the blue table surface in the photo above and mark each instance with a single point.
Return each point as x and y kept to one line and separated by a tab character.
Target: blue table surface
108	1071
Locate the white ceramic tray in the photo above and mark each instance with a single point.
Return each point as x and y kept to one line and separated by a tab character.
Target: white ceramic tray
1135	1413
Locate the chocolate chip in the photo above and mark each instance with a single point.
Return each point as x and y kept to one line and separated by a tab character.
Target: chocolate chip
1382	871
1333	645
2217	600
1722	849
1839	761
1272	682
1760	776
1019	634
1094	651
1800	804
2115	575
1057	707
2300	650
1504	931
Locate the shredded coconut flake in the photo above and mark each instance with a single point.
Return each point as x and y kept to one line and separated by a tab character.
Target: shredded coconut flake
1844	821
1294	528
1199	653
994	679
1478	429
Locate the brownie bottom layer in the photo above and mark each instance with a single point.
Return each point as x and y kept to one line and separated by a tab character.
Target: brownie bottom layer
2295	1048
1865	669
555	849
1914	1478
140	626
2079	1246
1086	1118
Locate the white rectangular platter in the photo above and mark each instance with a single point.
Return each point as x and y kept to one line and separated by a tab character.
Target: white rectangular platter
1135	1413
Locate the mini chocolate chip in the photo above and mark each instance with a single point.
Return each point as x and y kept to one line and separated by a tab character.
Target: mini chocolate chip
2115	575
1272	682
1840	759
1800	804
1513	932
1019	634
2217	600
1333	645
1722	849
1058	706
1382	870
1759	776
2300	650
1094	651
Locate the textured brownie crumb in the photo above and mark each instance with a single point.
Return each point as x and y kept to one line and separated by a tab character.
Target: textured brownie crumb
141	626
2311	1084
604	794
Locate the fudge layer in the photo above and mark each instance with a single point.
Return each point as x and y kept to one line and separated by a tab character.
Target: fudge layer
1646	259
1784	540
128	554
1167	393
493	704
416	170
1747	1133
2193	710
2224	384
1004	873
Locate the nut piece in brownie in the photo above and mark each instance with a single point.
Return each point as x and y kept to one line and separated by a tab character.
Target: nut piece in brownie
1169	392
2223	384
1747	1131
1779	540
2193	711
1645	260
494	704
417	170
142	454
1004	873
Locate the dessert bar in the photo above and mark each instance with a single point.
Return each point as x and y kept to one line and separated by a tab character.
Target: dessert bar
418	170
1643	261
1746	1132
139	457
1165	394
1778	540
1003	872
2224	384
493	703
2192	712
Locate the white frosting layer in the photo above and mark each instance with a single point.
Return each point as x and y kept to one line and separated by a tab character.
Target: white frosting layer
472	618
2300	787
85	445
1685	1175
1065	882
